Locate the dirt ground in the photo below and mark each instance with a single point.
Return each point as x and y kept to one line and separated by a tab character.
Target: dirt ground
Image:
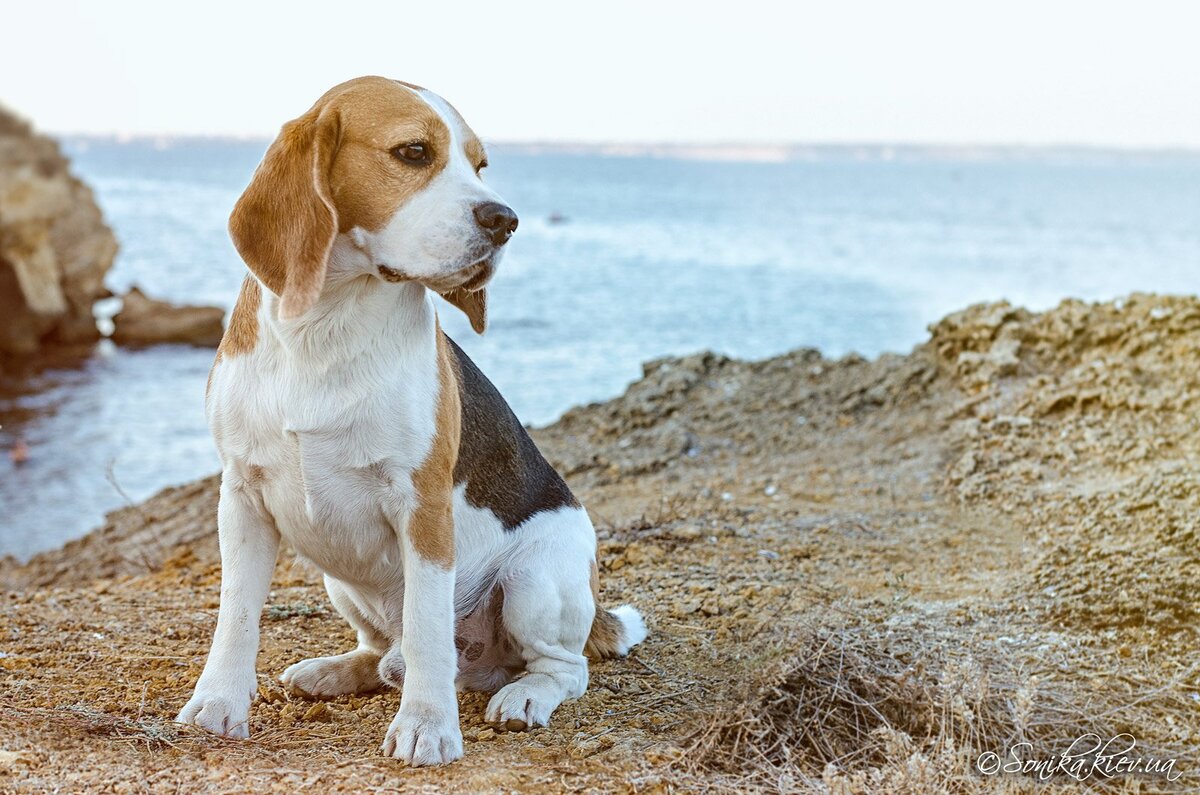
858	576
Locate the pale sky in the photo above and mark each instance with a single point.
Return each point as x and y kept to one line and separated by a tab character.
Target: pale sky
914	71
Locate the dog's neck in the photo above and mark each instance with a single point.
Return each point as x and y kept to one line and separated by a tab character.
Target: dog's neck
356	314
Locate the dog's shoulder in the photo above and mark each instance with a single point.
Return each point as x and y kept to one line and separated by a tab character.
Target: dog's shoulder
501	466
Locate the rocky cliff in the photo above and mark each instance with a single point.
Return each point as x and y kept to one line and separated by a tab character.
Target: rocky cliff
54	245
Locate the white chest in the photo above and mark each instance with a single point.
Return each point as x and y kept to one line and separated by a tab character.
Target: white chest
331	444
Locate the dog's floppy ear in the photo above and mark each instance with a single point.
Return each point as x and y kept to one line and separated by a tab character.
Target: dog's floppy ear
285	222
473	303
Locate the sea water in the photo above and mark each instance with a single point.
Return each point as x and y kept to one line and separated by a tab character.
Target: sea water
617	260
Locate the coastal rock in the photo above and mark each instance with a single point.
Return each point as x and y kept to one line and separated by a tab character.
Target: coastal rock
147	321
887	563
55	248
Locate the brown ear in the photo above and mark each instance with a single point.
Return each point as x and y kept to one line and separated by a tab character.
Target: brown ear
284	223
473	304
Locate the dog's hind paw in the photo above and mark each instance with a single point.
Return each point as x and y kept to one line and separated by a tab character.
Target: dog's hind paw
326	677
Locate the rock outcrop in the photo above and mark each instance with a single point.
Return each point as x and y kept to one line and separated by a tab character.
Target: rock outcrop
862	576
146	321
55	248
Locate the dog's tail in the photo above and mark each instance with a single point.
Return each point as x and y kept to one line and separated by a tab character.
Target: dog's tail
615	632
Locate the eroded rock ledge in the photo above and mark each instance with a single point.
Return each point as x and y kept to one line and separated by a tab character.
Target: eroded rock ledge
55	248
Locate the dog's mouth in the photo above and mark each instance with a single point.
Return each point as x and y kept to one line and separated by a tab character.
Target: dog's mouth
391	274
471	278
478	275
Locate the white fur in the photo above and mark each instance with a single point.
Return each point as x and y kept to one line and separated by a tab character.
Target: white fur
548	607
425	731
249	544
320	429
633	627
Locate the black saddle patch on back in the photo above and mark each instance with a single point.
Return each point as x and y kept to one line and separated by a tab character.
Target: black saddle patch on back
502	467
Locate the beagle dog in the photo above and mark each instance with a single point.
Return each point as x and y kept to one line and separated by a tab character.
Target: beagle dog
351	426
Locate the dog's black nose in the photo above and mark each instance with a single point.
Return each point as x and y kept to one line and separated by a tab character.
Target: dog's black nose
498	220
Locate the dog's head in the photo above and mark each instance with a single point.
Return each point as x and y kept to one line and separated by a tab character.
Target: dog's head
394	168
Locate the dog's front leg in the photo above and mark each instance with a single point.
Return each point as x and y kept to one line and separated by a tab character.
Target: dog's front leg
249	543
425	731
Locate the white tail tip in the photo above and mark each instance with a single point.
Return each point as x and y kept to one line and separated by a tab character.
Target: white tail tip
633	627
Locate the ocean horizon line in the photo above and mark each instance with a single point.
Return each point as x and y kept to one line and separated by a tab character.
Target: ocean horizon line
730	151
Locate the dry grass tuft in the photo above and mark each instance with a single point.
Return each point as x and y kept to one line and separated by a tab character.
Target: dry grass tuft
857	704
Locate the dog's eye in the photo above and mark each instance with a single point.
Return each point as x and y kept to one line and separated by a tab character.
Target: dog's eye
416	154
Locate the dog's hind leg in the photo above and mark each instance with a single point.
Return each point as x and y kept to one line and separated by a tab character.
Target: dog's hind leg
548	613
353	672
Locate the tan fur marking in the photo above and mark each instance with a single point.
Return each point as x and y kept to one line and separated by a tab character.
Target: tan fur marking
475	151
432	527
605	637
473	303
242	334
284	223
368	184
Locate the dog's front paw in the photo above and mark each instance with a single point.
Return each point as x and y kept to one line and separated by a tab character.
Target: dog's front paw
424	735
226	714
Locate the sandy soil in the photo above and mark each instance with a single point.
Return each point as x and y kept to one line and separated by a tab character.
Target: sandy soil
859	575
